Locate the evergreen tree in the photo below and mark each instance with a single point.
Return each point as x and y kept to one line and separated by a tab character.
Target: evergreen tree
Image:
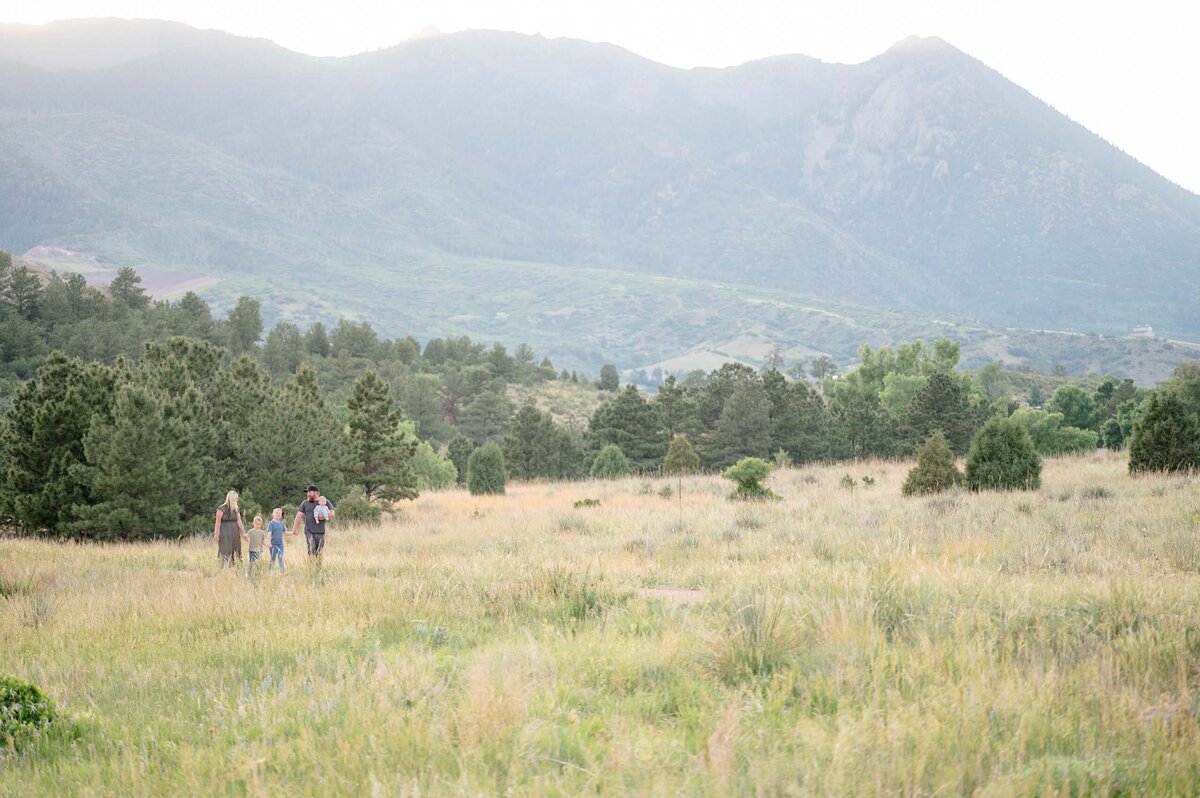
132	471
380	451
43	442
420	395
676	409
485	471
526	448
23	291
1003	457
799	420
245	325
192	318
609	379
944	404
744	428
610	463
459	451
633	425
291	440
935	470
823	367
126	290
284	350
1167	438
681	457
861	427
317	341
715	391
355	339
486	416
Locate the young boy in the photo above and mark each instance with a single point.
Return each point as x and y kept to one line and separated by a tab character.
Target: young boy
255	536
277	529
321	512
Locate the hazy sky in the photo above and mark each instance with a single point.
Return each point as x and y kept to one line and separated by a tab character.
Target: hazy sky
1126	70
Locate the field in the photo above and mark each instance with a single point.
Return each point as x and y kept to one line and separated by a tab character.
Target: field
838	642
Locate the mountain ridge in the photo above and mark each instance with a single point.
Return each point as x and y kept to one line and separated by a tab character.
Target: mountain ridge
920	180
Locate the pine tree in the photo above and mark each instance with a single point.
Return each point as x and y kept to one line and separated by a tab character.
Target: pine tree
609	379
1003	457
192	318
132	472
380	451
459	450
485	471
744	428
126	289
245	325
1167	438
799	420
284	350
317	341
632	424
485	418
943	403
292	440
43	442
527	448
935	470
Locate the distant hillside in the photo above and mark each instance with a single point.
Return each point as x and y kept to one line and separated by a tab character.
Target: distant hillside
465	182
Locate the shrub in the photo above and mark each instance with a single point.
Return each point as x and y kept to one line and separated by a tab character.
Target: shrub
485	471
1003	457
610	463
748	473
433	471
586	503
848	482
759	642
356	508
23	709
935	470
1167	438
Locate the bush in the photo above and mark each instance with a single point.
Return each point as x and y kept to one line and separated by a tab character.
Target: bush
356	508
935	470
1167	438
610	463
485	471
748	473
433	471
23	709
1003	457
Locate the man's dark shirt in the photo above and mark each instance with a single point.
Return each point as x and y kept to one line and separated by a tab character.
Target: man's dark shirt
310	522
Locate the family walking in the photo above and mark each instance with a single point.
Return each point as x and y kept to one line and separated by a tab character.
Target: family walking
229	531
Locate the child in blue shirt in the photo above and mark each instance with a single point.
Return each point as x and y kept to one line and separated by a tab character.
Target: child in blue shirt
276	529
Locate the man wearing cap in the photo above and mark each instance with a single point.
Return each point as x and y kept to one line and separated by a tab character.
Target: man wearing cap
314	527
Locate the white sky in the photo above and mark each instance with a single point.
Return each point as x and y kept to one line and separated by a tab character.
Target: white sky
1124	69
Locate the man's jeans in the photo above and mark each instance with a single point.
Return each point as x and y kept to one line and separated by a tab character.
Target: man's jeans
316	543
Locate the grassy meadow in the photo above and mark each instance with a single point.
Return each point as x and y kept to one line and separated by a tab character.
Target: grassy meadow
838	642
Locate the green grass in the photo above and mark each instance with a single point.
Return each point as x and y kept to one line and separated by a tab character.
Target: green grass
833	643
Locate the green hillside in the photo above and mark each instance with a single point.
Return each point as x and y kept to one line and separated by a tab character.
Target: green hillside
596	204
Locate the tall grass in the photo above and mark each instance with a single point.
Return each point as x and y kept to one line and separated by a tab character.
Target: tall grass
834	643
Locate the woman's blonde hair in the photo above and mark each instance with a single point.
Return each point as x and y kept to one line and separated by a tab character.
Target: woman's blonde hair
231	499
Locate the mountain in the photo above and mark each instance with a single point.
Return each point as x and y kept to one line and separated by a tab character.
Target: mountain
461	182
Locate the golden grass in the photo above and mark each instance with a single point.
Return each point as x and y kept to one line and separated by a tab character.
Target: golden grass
844	642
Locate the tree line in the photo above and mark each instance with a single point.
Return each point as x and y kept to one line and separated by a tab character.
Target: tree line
127	415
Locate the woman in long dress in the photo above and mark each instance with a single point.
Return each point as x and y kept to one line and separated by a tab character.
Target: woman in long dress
228	530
